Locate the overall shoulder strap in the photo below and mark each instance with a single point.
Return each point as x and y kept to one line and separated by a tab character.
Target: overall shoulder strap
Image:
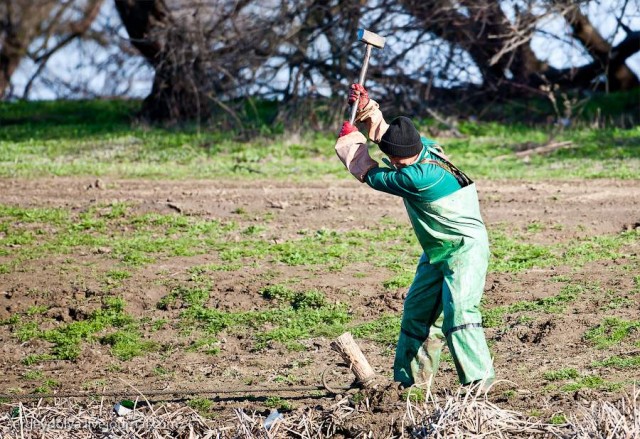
444	163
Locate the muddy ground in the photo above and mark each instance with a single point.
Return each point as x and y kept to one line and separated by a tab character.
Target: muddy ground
524	350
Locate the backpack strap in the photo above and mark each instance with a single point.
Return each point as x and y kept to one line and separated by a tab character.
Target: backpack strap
444	163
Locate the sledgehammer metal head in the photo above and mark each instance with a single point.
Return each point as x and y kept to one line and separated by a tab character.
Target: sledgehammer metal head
370	39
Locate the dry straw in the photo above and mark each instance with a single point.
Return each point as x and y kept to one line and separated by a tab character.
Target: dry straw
607	420
467	414
470	414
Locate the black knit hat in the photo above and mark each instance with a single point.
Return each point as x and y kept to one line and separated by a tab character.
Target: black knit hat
401	139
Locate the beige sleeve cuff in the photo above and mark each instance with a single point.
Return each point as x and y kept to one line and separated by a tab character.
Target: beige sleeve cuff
353	153
373	119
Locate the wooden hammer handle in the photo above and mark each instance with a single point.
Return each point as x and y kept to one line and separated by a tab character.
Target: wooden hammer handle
363	73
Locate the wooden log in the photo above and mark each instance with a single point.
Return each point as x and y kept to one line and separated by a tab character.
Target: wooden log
545	149
346	346
541	149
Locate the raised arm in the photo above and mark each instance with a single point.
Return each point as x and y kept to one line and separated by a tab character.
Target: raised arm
351	148
368	112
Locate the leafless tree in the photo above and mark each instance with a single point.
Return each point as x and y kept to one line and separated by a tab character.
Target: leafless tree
218	54
217	50
38	29
608	62
202	52
500	47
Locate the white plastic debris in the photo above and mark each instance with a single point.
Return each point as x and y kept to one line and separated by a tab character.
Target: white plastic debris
121	410
273	417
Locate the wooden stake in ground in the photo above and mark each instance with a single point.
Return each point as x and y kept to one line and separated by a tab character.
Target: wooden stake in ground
346	346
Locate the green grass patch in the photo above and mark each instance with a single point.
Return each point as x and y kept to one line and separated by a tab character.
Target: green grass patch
618	362
116	231
47	386
400	281
415	395
493	317
199	270
289	379
32	359
606	153
33	375
34	215
613	331
159	324
617	302
36	309
201	405
278	403
535	227
127	344
597	248
181	297
97	138
133	239
141	239
117	275
208	345
280	293
68	338
591	382
312	299
384	329
562	374
324	247
300	315
293	316
511	254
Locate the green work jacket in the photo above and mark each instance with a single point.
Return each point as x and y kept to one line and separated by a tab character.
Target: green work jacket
445	216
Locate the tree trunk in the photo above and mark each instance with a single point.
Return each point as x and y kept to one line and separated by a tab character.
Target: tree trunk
10	57
179	93
607	60
180	86
20	24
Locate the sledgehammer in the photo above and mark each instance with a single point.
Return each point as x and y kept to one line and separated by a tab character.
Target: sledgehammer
371	40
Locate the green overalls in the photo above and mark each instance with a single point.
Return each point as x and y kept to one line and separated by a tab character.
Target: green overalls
443	300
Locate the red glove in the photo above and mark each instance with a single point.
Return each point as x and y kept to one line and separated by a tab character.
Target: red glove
358	91
347	128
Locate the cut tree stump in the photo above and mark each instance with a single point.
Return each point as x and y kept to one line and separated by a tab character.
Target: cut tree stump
346	346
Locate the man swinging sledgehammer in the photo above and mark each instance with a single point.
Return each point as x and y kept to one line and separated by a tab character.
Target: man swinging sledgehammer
442	203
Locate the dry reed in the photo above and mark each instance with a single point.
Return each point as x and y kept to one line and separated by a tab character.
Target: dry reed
468	413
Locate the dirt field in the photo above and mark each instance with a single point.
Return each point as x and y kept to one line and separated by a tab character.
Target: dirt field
68	287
